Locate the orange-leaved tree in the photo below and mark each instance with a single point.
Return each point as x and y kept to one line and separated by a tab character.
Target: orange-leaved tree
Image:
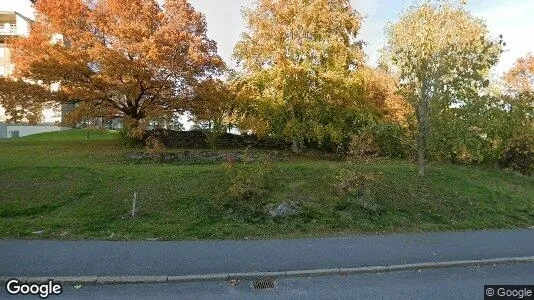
520	83
521	77
140	61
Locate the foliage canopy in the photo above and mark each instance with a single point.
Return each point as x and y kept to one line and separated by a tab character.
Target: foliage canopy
140	61
443	56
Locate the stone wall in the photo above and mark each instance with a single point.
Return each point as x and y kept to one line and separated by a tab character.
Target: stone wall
202	140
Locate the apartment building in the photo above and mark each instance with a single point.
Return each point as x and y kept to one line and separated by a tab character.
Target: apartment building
16	17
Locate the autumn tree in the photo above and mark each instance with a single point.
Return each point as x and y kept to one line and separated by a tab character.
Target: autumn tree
520	78
213	104
520	82
296	56
141	60
519	108
443	56
519	99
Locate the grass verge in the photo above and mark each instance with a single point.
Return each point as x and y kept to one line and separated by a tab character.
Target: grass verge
65	186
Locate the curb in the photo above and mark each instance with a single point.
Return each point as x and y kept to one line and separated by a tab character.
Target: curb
256	275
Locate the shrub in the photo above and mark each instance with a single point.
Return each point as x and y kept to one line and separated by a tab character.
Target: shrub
519	156
382	139
154	146
356	190
248	188
391	140
127	140
362	146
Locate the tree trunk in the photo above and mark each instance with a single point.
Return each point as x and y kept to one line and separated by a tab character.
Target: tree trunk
420	153
423	120
295	145
295	140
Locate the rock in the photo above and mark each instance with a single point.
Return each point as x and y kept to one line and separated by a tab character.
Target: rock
38	232
135	156
284	209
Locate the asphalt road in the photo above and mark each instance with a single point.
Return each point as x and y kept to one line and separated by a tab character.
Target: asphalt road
78	258
450	283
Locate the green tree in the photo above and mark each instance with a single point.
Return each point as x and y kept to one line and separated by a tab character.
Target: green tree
443	56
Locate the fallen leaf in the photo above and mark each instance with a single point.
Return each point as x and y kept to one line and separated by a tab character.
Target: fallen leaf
234	282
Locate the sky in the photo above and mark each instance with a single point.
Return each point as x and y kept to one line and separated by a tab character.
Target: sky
21	6
511	18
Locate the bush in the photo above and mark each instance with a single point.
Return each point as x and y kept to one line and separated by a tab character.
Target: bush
356	190
248	188
127	140
519	156
391	140
362	146
383	139
154	146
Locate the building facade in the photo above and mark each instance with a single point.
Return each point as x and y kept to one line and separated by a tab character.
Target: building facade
16	17
15	20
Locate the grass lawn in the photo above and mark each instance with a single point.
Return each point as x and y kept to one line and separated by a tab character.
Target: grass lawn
65	186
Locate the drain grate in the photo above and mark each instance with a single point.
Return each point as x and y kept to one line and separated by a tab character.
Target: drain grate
263	284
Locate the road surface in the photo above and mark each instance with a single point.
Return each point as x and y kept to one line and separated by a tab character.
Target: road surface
92	258
449	283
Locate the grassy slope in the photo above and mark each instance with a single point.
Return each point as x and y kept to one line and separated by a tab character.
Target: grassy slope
70	188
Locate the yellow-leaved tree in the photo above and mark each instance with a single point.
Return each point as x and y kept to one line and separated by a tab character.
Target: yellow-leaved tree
298	60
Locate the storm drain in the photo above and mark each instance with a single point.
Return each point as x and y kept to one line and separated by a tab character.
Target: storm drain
263	284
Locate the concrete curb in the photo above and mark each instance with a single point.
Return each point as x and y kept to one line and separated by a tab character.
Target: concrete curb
256	275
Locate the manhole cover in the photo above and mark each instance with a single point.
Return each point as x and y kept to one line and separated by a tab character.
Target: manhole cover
263	284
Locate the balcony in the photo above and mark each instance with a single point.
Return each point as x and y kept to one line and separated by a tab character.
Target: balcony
8	29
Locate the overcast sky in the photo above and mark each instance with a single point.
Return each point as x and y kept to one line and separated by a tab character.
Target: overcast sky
511	18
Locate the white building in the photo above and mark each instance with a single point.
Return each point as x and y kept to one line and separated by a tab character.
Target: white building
15	19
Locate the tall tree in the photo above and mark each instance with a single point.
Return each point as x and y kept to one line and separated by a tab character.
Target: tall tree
443	56
295	54
141	61
520	109
520	81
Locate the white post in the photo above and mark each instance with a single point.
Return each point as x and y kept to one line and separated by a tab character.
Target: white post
133	205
